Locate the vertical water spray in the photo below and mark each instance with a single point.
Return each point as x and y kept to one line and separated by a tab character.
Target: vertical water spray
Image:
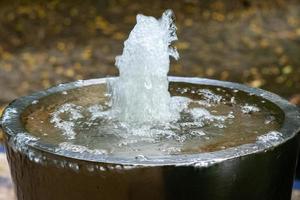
140	94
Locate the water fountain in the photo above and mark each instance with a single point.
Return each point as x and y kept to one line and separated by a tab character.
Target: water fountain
144	135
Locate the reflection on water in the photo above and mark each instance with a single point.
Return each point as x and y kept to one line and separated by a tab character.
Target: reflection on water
254	42
211	119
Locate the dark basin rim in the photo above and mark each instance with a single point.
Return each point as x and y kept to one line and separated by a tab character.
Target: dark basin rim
12	126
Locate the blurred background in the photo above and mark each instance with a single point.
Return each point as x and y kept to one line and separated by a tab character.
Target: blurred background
44	43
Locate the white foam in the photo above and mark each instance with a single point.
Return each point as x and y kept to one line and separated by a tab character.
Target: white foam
97	111
141	92
67	126
9	114
248	109
270	139
21	140
67	146
179	103
203	116
209	96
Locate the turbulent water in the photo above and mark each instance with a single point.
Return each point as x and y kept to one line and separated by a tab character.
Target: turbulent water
140	94
210	119
139	113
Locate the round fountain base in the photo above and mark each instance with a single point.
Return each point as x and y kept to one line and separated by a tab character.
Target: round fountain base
250	170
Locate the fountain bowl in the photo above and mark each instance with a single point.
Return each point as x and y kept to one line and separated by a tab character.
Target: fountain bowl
248	171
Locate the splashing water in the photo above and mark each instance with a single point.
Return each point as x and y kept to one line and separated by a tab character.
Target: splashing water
140	94
135	112
209	120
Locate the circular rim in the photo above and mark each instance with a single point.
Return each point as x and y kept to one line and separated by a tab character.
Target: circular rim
12	126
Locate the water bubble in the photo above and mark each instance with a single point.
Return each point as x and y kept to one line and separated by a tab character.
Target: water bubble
73	111
67	146
270	139
73	166
232	100
101	168
35	102
269	119
209	96
248	109
97	111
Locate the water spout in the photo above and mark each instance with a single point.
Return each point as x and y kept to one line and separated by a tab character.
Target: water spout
140	94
